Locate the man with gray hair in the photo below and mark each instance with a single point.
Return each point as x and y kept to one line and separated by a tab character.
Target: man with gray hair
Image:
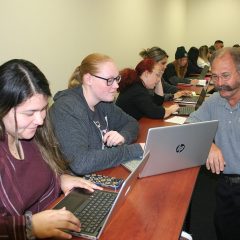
224	156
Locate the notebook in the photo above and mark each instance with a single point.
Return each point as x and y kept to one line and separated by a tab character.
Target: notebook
98	214
178	147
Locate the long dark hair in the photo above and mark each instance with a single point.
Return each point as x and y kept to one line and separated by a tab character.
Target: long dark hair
19	81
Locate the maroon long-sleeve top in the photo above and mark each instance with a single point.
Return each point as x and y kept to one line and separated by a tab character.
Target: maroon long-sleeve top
25	185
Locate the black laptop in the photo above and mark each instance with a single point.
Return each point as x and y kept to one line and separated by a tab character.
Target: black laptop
96	209
194	99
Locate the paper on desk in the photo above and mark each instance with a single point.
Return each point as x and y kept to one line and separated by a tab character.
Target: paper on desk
176	119
202	82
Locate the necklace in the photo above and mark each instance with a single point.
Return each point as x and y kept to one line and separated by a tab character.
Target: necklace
12	145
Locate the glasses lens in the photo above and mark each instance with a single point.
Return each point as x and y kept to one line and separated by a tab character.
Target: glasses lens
110	81
118	78
226	76
214	77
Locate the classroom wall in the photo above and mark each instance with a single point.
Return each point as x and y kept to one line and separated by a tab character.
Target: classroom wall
209	20
57	34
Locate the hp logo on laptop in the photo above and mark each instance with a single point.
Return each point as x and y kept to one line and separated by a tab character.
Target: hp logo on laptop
180	148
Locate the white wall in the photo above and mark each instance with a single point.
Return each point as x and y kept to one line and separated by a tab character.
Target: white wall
57	34
209	20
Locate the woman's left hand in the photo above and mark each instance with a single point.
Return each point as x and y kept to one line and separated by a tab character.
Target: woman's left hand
68	182
182	93
113	138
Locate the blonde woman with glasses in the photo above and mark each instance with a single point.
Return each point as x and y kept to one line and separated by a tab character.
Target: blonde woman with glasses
93	132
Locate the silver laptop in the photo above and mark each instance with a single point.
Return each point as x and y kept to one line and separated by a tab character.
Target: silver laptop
178	147
95	215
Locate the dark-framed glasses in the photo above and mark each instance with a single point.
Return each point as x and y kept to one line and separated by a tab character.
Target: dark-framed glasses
224	76
111	80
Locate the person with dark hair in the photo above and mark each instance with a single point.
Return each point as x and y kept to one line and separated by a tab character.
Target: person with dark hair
193	68
204	55
224	155
218	44
33	171
161	57
236	45
94	133
176	71
134	97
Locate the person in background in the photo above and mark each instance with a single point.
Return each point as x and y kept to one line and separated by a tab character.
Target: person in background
236	45
33	171
134	97
193	68
203	58
218	44
176	71
160	56
224	156
94	133
211	50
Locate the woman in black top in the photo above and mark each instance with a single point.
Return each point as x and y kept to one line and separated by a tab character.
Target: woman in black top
193	67
176	71
134	97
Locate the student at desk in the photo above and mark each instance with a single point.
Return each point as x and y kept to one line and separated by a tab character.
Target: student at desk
32	168
160	56
224	156
134	97
93	132
203	58
193	68
176	71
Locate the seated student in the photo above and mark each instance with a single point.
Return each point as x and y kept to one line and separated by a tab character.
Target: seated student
93	132
134	97
236	45
193	68
33	170
176	71
161	57
218	44
203	59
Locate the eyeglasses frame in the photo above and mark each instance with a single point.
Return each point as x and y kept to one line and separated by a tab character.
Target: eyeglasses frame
111	80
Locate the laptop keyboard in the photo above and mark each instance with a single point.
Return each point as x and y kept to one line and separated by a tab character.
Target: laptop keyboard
95	210
132	165
186	110
191	99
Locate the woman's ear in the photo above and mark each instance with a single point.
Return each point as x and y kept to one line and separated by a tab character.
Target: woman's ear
145	74
88	78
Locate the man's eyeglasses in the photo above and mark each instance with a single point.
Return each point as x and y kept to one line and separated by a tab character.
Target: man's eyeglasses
110	81
224	76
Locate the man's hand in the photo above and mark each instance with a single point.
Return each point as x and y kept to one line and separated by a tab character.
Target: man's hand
215	160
